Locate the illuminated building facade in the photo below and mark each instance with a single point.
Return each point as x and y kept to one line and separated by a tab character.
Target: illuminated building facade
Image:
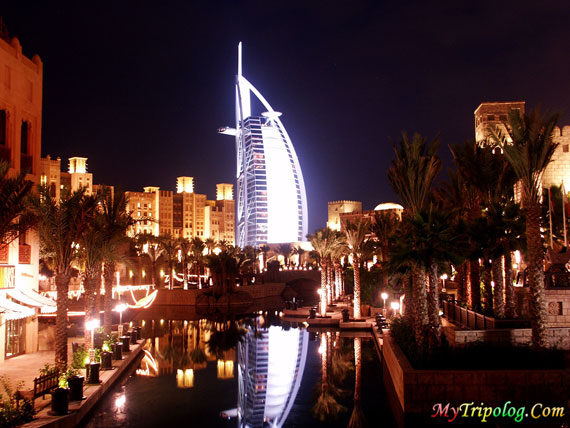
21	81
270	368
336	208
496	114
271	199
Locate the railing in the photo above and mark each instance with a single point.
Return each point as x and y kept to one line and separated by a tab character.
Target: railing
7	276
473	320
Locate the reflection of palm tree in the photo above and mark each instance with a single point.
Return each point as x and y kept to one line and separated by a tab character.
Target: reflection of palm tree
357	419
224	337
326	407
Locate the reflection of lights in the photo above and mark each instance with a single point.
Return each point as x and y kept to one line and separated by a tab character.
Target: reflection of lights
120	402
149	364
145	302
185	378
225	369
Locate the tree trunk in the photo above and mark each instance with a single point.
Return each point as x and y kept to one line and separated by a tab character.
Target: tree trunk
433	303
408	286
324	361
462	282
109	274
509	288
498	299
537	304
356	268
323	294
329	282
62	285
475	282
89	283
420	312
358	369
487	287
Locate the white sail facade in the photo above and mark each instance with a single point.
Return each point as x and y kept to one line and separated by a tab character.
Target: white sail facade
271	198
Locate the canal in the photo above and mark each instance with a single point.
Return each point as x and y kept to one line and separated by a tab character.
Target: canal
256	371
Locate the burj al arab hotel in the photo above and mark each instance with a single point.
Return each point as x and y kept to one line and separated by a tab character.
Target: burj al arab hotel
271	198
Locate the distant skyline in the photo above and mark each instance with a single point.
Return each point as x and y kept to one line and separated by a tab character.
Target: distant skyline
141	90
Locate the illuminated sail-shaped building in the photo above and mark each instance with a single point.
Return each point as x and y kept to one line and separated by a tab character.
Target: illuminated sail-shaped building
271	198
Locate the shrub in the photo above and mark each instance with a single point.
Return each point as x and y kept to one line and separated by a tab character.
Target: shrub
11	414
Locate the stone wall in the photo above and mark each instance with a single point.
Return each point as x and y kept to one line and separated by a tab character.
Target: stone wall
559	168
558	337
558	306
419	390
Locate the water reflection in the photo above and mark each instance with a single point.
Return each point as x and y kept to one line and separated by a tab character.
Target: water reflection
271	363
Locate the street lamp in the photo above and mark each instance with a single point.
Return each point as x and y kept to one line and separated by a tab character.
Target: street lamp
384	296
120	308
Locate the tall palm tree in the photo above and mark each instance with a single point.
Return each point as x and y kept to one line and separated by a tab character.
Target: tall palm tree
185	248
210	244
61	225
14	218
148	247
355	237
197	251
412	174
285	251
528	146
114	223
169	246
323	242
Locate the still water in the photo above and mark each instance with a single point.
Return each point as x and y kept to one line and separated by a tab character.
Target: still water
250	371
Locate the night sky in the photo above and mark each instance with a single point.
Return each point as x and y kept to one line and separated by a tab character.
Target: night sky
141	88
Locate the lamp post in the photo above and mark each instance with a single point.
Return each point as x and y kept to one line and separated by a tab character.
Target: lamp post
120	308
443	278
384	296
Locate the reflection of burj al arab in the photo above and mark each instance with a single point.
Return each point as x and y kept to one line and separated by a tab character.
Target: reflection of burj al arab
270	369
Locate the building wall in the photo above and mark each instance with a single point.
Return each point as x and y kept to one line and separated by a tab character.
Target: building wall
21	81
339	207
493	114
558	171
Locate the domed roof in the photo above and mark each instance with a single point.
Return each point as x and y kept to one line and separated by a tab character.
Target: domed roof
388	206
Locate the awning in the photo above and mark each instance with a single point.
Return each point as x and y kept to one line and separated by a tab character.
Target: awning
31	298
12	311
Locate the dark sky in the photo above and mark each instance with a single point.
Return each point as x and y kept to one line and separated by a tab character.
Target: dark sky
140	87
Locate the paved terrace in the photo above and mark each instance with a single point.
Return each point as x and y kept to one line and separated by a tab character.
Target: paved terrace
25	368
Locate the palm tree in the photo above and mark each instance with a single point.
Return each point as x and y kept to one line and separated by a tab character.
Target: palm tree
185	248
148	246
412	174
114	223
210	244
61	225
285	251
197	251
14	218
91	256
529	154
324	241
355	236
169	247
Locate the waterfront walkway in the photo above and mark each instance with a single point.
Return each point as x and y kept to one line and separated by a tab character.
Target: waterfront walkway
22	370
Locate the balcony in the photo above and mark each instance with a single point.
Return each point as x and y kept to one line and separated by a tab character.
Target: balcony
7	276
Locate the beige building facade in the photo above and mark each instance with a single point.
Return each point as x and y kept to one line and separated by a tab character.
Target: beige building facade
496	114
336	208
21	82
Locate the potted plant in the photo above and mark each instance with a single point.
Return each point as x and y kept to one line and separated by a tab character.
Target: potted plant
75	383
60	396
